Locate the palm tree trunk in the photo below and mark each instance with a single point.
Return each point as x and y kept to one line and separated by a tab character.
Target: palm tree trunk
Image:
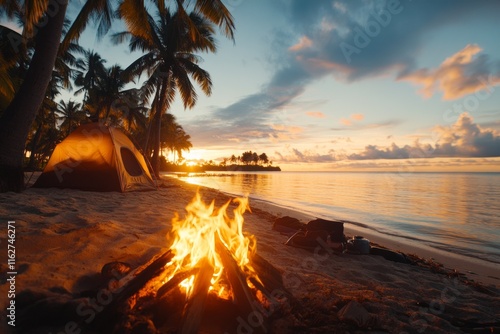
16	121
155	161
33	148
150	125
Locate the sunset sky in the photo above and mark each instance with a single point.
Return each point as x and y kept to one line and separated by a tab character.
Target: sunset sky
350	85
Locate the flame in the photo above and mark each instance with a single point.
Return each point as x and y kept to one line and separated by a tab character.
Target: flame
195	241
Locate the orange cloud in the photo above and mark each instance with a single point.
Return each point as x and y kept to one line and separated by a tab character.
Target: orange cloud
463	73
284	132
353	118
358	117
304	43
320	65
315	114
346	121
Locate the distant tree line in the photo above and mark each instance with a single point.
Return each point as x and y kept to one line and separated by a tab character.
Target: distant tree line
248	158
247	161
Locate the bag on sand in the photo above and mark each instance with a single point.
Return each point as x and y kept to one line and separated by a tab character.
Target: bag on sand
288	225
320	232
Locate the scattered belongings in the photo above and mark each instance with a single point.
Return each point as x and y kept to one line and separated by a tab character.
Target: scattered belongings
288	225
358	245
390	255
330	234
334	228
319	232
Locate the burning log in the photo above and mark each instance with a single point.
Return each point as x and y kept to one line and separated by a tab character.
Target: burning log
193	311
175	281
133	283
242	296
268	274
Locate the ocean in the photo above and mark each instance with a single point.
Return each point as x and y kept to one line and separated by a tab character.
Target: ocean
454	212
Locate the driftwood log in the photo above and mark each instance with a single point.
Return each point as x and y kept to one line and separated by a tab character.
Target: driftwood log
133	284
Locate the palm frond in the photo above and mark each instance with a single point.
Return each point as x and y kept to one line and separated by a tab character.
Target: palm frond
9	8
12	46
33	12
120	37
136	18
217	12
98	10
184	85
104	16
205	40
143	63
201	76
7	89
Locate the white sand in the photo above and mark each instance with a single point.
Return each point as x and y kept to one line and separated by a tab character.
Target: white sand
64	237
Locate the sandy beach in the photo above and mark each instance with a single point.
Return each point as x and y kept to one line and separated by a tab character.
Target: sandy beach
64	237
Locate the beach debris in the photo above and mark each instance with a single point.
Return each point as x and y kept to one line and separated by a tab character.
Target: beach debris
210	278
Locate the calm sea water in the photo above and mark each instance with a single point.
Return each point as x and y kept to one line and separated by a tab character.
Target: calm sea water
456	212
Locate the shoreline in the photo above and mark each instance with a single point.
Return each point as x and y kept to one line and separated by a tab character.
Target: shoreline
64	238
475	269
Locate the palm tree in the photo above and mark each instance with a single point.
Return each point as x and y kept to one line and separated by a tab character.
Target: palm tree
247	157
12	64
107	91
71	114
173	136
88	71
133	110
16	120
44	135
263	157
18	117
169	60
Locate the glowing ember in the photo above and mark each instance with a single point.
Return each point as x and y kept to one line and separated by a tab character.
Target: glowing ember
197	236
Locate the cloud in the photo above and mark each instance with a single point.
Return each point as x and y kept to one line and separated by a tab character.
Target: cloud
284	132
303	43
310	50
354	40
462	139
294	155
352	119
463	73
467	139
372	152
315	114
359	126
357	117
346	121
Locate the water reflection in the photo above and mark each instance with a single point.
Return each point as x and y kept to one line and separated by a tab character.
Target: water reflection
457	209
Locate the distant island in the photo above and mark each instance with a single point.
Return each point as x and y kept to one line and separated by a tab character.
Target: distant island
248	162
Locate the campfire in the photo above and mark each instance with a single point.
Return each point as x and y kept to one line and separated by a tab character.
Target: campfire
211	280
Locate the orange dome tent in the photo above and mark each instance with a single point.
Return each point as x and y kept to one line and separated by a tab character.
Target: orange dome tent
96	157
